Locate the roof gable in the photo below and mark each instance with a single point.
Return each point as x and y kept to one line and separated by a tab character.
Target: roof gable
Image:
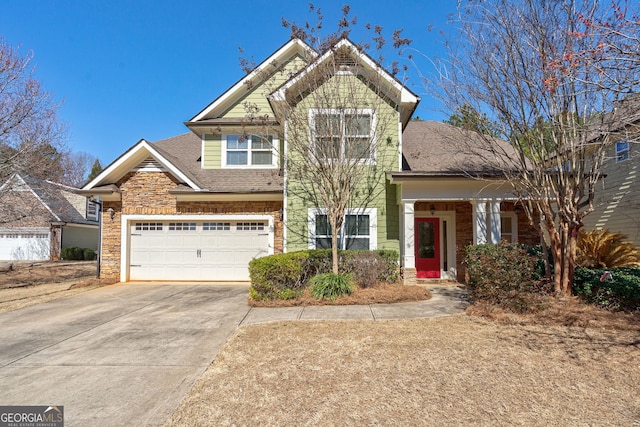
140	153
344	49
61	202
217	108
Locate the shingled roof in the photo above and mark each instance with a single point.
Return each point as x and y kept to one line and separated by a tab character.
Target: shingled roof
63	203
185	152
437	149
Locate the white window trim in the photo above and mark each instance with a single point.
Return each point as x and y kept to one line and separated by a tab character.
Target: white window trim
373	224
626	151
274	157
313	112
514	225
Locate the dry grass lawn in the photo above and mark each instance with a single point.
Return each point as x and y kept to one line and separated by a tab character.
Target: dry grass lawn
27	284
461	370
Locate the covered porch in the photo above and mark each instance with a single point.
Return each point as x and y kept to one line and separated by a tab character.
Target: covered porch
440	217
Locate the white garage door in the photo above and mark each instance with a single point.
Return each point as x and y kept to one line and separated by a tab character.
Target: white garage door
18	245
196	250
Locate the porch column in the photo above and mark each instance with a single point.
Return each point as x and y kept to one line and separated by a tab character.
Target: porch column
408	243
479	219
494	222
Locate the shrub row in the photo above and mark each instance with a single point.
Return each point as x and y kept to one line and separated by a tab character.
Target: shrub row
613	288
284	276
77	254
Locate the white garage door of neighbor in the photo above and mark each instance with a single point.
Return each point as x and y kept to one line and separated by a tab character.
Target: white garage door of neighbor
196	250
24	246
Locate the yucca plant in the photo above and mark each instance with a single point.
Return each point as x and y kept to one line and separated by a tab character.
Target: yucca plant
602	248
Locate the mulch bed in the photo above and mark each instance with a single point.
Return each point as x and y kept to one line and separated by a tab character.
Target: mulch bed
380	293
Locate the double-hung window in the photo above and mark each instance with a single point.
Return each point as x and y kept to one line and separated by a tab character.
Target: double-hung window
622	151
249	150
358	230
342	135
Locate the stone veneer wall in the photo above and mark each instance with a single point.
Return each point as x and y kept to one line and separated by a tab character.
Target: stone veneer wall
147	193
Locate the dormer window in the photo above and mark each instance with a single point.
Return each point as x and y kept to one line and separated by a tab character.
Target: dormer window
249	150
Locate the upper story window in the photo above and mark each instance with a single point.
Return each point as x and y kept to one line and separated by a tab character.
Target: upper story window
622	151
249	150
342	134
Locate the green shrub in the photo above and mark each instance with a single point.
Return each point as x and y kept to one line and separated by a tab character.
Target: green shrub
503	274
283	276
330	286
614	289
88	254
275	274
72	253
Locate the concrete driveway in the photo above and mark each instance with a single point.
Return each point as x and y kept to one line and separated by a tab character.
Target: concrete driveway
119	355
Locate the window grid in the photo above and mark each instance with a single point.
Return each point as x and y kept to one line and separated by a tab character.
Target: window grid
251	150
355	232
342	135
148	226
250	226
216	226
182	226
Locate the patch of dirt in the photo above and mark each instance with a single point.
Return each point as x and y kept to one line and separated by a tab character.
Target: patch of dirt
24	284
381	293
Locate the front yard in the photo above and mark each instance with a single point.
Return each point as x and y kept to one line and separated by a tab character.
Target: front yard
27	283
460	370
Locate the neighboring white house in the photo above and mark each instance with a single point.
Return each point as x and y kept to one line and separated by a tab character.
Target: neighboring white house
38	218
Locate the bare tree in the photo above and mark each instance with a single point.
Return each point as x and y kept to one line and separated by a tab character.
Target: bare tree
76	167
551	73
341	115
31	137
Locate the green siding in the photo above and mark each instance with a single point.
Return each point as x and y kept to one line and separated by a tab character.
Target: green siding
258	96
387	160
212	153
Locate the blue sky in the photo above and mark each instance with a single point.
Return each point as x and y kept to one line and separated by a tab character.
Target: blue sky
127	70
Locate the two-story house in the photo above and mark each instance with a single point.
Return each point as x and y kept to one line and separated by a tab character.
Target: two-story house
201	205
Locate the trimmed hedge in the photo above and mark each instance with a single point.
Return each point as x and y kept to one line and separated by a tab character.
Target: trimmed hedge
284	276
77	254
611	288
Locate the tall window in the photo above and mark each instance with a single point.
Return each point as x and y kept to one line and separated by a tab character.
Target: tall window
622	151
358	230
249	150
509	227
342	135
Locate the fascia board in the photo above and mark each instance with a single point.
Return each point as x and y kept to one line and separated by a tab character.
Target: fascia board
406	96
241	84
125	162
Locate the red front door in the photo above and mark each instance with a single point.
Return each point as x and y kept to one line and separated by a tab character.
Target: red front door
427	247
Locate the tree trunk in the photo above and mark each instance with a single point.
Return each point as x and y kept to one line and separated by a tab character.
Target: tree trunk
334	253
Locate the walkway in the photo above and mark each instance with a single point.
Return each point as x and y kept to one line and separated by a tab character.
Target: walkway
446	301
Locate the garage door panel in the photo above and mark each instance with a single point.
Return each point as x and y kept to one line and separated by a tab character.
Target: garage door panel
210	252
